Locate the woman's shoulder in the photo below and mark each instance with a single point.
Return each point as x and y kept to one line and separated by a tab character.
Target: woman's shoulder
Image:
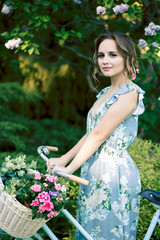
127	87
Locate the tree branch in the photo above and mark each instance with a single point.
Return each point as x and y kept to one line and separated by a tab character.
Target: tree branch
79	54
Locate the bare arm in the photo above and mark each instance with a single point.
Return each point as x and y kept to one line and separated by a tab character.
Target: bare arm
72	153
64	159
118	112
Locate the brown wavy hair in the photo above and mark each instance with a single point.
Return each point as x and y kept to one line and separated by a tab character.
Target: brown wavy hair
126	48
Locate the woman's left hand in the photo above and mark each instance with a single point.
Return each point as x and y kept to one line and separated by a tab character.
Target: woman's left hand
62	169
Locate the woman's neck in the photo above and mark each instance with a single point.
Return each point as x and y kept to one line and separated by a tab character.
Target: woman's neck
117	81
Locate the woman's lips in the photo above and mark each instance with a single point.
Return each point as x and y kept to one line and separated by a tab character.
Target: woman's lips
106	68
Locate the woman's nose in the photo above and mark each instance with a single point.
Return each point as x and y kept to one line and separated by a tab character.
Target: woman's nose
105	60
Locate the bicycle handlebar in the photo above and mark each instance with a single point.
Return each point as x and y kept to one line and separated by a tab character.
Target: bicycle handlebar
44	150
52	149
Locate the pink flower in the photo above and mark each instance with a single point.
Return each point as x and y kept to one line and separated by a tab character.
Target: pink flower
36	187
133	76
137	70
48	206
44	197
58	186
37	176
41	208
100	10
52	214
35	202
50	178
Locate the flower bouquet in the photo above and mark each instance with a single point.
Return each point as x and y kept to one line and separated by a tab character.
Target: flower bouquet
42	195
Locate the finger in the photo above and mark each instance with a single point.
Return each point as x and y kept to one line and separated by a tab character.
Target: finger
48	165
51	169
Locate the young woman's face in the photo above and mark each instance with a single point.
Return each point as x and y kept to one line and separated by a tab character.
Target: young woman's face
110	61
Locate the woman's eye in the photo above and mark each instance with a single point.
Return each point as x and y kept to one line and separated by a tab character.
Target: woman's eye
101	55
113	54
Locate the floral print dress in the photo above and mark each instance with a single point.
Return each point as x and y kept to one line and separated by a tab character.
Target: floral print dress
108	208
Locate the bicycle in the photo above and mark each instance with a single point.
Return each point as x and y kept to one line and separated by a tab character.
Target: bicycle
154	198
151	195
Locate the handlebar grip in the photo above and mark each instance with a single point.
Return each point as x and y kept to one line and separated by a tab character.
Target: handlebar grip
78	180
72	177
52	149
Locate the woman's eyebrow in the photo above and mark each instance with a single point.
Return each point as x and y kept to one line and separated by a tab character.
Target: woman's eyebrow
109	52
113	52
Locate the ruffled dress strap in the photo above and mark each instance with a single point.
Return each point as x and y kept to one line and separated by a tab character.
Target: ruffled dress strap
103	91
125	88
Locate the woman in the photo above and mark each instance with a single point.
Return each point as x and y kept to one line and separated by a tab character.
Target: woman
108	207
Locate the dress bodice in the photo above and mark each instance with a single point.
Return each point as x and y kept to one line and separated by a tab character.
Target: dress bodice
125	134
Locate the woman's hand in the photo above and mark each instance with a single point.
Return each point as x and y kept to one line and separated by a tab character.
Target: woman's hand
55	161
62	169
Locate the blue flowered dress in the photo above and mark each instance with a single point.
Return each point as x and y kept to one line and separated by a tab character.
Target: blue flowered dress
108	208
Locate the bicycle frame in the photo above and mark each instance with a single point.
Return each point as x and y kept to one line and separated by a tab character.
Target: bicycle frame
43	151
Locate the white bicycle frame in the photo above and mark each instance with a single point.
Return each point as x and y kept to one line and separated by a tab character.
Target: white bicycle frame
154	221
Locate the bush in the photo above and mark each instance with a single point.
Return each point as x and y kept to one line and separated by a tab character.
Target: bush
146	156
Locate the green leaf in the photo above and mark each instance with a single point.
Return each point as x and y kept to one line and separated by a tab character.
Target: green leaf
34	9
30	22
55	7
35	45
79	34
16	29
30	51
58	34
36	16
4	34
46	3
63	30
135	8
66	35
45	18
53	26
26	9
150	60
131	15
144	56
38	23
8	2
125	1
61	42
44	25
110	2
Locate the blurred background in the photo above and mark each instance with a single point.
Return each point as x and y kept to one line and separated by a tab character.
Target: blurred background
47	88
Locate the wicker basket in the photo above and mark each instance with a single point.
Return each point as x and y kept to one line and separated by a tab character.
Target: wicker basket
16	219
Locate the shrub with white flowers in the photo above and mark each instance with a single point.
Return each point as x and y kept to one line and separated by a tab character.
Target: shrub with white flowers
6	9
142	43
13	43
100	10
120	8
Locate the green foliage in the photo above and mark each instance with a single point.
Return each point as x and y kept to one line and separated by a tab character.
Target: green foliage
60	36
146	156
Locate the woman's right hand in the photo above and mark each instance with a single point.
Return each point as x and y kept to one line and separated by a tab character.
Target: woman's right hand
59	162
